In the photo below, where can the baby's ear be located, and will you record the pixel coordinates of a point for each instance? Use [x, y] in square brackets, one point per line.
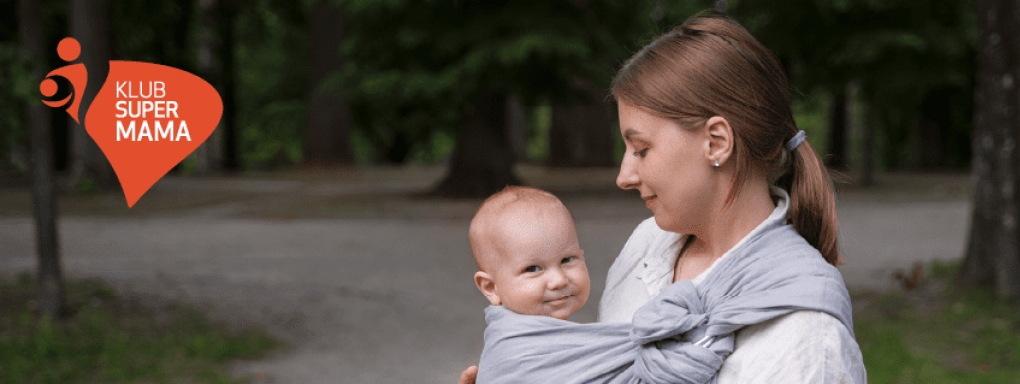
[485, 284]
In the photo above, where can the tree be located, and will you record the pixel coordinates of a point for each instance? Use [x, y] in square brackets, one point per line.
[583, 117]
[209, 155]
[903, 55]
[836, 158]
[483, 159]
[90, 24]
[50, 296]
[581, 134]
[226, 16]
[993, 251]
[327, 138]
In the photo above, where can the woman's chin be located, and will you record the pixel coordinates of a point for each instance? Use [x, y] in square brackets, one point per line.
[666, 223]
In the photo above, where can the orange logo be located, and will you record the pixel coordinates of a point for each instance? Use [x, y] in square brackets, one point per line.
[146, 118]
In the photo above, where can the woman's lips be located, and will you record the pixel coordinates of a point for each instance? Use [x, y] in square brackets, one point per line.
[648, 201]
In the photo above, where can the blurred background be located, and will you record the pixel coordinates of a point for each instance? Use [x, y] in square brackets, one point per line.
[319, 236]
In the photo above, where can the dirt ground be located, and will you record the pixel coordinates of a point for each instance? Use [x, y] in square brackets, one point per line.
[369, 281]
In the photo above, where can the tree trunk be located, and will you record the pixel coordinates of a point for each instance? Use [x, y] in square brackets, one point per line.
[50, 295]
[327, 138]
[90, 25]
[517, 124]
[482, 162]
[868, 147]
[993, 252]
[582, 135]
[836, 158]
[227, 12]
[932, 129]
[208, 156]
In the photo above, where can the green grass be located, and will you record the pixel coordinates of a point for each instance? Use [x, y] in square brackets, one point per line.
[939, 334]
[110, 339]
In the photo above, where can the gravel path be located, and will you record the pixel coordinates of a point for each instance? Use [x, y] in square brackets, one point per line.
[368, 284]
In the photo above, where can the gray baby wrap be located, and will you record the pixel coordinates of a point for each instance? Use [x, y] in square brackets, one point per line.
[680, 336]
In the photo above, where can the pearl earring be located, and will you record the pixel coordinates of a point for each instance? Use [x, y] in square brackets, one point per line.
[716, 164]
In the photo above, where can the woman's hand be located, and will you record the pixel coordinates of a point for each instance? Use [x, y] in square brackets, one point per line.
[469, 375]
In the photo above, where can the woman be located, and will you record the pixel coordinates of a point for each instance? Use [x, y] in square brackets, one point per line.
[712, 148]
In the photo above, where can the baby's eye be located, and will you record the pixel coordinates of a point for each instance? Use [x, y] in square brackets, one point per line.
[532, 269]
[568, 259]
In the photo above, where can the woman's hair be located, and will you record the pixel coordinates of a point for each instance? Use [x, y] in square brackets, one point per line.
[711, 66]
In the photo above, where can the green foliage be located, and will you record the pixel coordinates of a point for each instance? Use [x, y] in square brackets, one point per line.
[914, 61]
[541, 121]
[415, 66]
[109, 340]
[272, 83]
[811, 114]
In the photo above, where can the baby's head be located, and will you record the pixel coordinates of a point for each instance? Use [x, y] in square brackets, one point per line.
[528, 257]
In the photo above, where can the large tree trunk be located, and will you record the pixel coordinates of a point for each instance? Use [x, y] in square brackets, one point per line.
[90, 25]
[836, 158]
[327, 137]
[209, 155]
[227, 14]
[50, 297]
[582, 135]
[993, 252]
[482, 161]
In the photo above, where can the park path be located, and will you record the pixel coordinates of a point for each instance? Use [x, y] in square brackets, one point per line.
[369, 283]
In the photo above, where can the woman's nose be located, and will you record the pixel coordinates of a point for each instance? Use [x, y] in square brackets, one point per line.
[627, 179]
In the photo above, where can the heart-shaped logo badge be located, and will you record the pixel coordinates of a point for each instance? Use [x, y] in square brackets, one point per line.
[146, 118]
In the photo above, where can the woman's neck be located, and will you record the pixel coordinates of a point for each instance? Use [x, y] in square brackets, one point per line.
[723, 230]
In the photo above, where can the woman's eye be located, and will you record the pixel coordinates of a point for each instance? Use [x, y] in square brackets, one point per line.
[533, 268]
[641, 153]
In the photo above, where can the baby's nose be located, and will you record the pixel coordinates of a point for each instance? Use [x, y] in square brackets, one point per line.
[557, 279]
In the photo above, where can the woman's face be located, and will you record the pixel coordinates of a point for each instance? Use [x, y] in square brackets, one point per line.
[669, 165]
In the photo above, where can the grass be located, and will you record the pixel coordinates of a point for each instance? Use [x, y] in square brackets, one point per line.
[938, 334]
[112, 339]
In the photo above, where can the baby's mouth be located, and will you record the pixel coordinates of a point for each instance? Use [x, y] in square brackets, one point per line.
[559, 300]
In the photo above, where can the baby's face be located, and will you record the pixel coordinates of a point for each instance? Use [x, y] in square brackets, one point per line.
[541, 270]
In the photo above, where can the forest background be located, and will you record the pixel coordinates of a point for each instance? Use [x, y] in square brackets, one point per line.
[878, 84]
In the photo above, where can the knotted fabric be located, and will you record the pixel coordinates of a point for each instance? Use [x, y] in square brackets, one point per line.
[684, 334]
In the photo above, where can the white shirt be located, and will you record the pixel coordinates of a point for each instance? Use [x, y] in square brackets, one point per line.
[801, 347]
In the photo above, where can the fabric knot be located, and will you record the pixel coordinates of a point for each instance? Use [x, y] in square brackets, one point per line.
[676, 311]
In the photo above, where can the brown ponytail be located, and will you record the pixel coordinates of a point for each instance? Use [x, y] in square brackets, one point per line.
[812, 205]
[711, 66]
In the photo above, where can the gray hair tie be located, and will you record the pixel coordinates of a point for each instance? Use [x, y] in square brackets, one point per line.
[796, 140]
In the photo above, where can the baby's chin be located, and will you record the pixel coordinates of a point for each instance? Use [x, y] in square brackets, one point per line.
[561, 312]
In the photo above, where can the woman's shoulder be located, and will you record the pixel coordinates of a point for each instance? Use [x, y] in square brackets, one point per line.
[801, 347]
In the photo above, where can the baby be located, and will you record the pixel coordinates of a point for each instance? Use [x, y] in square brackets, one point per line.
[529, 261]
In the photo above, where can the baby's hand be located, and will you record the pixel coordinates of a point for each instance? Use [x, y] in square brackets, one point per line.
[469, 375]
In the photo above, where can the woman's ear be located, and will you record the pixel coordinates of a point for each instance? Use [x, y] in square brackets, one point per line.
[485, 284]
[720, 139]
